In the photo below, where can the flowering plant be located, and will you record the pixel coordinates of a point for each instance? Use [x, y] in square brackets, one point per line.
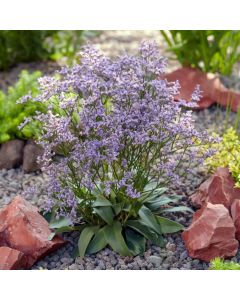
[122, 138]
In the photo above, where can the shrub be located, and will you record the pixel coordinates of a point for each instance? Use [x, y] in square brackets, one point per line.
[33, 45]
[227, 154]
[220, 264]
[13, 114]
[208, 50]
[123, 138]
[22, 46]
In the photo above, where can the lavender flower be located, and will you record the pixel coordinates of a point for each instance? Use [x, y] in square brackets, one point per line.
[117, 126]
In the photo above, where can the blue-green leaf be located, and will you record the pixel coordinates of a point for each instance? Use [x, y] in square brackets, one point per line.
[106, 213]
[113, 236]
[61, 222]
[147, 232]
[178, 209]
[85, 238]
[98, 242]
[135, 241]
[149, 219]
[168, 226]
[101, 202]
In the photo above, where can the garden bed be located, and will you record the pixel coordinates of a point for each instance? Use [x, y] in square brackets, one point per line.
[174, 255]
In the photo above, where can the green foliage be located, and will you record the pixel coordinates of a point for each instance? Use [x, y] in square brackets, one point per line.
[124, 228]
[220, 264]
[65, 44]
[227, 154]
[13, 114]
[22, 46]
[208, 50]
[33, 45]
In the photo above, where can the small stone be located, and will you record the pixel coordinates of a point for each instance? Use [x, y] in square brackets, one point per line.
[171, 247]
[155, 260]
[165, 266]
[30, 154]
[11, 154]
[183, 255]
[90, 267]
[101, 265]
[73, 267]
[123, 267]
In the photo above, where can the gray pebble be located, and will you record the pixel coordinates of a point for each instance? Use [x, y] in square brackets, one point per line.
[155, 260]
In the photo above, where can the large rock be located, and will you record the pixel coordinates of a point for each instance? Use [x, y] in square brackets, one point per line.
[24, 229]
[11, 154]
[235, 212]
[30, 154]
[11, 259]
[211, 234]
[213, 90]
[218, 189]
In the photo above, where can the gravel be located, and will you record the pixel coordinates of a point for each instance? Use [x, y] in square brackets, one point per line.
[174, 256]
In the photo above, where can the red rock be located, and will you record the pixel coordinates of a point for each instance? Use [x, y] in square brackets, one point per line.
[11, 259]
[11, 154]
[211, 234]
[30, 154]
[235, 212]
[213, 90]
[218, 189]
[24, 229]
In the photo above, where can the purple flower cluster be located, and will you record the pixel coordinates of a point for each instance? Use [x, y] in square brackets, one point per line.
[117, 128]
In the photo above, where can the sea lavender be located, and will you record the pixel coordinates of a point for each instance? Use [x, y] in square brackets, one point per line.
[118, 129]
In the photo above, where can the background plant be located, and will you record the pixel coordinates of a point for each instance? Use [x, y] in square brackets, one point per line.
[220, 264]
[22, 46]
[227, 154]
[208, 50]
[122, 138]
[37, 45]
[13, 114]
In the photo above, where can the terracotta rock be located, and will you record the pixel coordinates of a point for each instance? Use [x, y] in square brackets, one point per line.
[30, 154]
[235, 212]
[211, 234]
[11, 259]
[218, 189]
[11, 154]
[24, 229]
[213, 90]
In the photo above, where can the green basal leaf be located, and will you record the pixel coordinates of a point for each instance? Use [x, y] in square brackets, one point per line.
[117, 209]
[85, 238]
[113, 236]
[150, 186]
[168, 226]
[155, 203]
[106, 213]
[63, 229]
[98, 242]
[147, 232]
[149, 219]
[101, 202]
[178, 209]
[135, 241]
[61, 222]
